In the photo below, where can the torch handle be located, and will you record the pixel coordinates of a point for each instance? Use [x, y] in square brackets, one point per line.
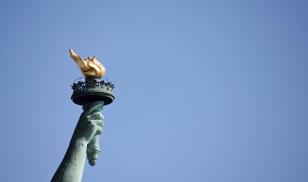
[93, 150]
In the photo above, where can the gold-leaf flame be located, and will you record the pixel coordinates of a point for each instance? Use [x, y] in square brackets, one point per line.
[90, 66]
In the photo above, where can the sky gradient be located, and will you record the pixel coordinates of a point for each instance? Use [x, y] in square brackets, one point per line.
[206, 91]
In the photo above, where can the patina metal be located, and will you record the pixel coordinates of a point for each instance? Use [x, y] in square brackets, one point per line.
[92, 89]
[92, 93]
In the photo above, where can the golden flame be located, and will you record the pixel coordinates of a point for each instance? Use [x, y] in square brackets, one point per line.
[90, 66]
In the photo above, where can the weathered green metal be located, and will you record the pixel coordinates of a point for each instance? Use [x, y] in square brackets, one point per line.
[92, 94]
[83, 144]
[92, 89]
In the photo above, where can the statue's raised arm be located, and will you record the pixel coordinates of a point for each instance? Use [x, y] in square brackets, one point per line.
[92, 94]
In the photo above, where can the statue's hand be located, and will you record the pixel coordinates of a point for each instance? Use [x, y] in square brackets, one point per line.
[89, 127]
[90, 122]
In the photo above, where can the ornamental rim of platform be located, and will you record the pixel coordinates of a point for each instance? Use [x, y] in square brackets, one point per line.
[87, 89]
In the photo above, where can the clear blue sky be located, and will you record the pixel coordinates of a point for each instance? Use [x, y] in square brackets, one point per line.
[207, 91]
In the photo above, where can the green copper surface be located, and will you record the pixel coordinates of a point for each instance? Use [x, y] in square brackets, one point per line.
[84, 143]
